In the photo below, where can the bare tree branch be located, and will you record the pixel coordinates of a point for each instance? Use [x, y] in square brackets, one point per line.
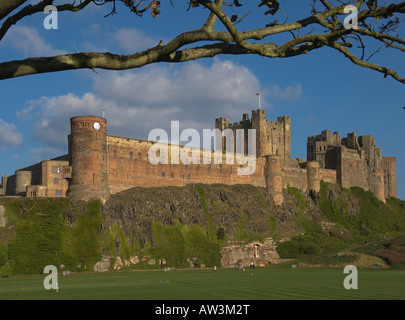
[365, 64]
[327, 30]
[39, 7]
[8, 6]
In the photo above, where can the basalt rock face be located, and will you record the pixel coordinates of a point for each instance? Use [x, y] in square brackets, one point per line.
[232, 208]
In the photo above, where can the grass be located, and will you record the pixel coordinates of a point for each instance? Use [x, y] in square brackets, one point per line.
[224, 284]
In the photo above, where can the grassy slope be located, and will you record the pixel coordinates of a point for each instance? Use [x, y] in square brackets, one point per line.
[354, 217]
[41, 236]
[46, 231]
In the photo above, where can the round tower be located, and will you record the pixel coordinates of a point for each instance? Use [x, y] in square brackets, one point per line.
[313, 176]
[274, 181]
[88, 157]
[22, 180]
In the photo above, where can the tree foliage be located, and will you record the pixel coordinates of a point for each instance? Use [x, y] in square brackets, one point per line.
[323, 27]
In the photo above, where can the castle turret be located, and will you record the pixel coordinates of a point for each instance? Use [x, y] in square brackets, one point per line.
[390, 176]
[221, 124]
[284, 143]
[378, 184]
[88, 157]
[3, 185]
[23, 179]
[274, 181]
[313, 175]
[259, 124]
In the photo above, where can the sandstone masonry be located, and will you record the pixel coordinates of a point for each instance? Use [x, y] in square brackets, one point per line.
[98, 164]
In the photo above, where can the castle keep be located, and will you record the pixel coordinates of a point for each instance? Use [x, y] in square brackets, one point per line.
[98, 164]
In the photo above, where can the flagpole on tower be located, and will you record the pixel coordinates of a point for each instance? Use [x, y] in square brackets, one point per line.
[258, 94]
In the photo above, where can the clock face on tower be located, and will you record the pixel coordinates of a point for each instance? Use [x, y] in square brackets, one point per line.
[96, 125]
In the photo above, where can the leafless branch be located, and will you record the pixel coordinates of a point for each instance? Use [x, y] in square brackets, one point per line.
[323, 28]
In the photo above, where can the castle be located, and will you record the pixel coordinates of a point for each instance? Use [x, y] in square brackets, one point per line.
[98, 164]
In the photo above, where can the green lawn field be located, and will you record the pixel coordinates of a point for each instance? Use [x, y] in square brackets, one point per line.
[224, 284]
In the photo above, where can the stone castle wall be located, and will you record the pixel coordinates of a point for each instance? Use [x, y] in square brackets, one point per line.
[272, 137]
[48, 178]
[390, 176]
[129, 166]
[88, 157]
[356, 160]
[98, 164]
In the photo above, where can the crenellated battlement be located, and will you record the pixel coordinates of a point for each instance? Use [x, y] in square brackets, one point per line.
[272, 137]
[357, 161]
[98, 164]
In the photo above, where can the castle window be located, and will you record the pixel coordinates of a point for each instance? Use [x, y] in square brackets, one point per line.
[81, 124]
[131, 155]
[274, 161]
[189, 176]
[58, 193]
[172, 174]
[55, 170]
[163, 174]
[115, 153]
[86, 124]
[55, 181]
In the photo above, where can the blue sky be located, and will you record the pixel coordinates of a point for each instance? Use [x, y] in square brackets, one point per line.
[321, 90]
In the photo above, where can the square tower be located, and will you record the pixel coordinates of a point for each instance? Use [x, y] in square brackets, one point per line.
[272, 138]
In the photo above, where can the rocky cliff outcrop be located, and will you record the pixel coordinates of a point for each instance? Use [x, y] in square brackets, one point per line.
[236, 209]
[188, 226]
[239, 212]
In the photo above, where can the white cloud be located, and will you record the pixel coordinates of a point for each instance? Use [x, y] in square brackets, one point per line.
[28, 41]
[133, 40]
[9, 136]
[138, 101]
[223, 87]
[53, 114]
[104, 37]
[290, 93]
